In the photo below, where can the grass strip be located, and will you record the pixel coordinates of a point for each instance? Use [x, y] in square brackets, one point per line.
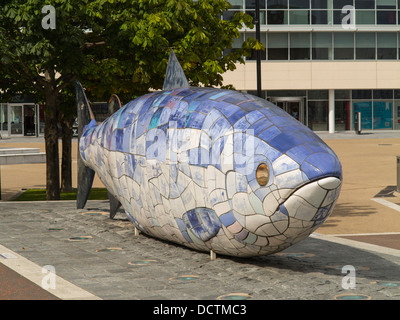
[40, 195]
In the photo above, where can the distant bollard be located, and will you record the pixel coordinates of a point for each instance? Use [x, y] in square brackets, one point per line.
[398, 172]
[357, 122]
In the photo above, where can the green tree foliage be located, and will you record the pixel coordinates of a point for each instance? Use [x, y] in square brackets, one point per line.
[111, 46]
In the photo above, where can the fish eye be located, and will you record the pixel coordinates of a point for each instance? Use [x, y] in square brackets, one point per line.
[262, 174]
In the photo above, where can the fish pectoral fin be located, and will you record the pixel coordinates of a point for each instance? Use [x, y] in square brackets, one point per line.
[85, 182]
[114, 205]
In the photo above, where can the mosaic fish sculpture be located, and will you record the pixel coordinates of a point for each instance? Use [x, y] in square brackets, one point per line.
[210, 169]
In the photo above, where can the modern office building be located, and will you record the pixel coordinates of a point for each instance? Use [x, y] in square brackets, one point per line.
[325, 60]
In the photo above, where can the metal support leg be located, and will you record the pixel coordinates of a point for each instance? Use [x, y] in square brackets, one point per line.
[213, 255]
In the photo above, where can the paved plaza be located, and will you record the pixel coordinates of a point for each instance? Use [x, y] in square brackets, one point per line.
[354, 255]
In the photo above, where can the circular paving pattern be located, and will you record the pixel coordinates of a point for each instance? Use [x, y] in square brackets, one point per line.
[352, 296]
[80, 238]
[235, 296]
[184, 278]
[142, 262]
[108, 249]
[386, 284]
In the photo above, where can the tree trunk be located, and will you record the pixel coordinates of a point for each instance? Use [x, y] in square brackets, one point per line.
[66, 164]
[51, 142]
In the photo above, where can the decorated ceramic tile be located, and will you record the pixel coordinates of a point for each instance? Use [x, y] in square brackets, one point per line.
[211, 169]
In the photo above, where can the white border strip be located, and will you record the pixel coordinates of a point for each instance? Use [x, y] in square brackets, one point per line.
[357, 244]
[387, 203]
[64, 289]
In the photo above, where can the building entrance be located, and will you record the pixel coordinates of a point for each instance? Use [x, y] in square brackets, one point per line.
[20, 119]
[292, 105]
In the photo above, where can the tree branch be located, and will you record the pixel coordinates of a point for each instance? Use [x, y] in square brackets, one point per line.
[93, 44]
[29, 74]
[66, 82]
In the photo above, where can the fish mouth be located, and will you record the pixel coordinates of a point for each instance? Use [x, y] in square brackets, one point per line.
[313, 201]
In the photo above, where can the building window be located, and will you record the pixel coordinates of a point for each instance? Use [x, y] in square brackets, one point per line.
[300, 46]
[342, 110]
[319, 4]
[237, 44]
[318, 95]
[322, 46]
[365, 17]
[386, 17]
[251, 4]
[278, 46]
[250, 10]
[277, 4]
[318, 115]
[386, 11]
[319, 17]
[317, 109]
[254, 52]
[382, 94]
[236, 4]
[383, 114]
[277, 17]
[344, 45]
[299, 16]
[365, 107]
[339, 4]
[365, 4]
[376, 107]
[386, 45]
[365, 45]
[299, 4]
[361, 94]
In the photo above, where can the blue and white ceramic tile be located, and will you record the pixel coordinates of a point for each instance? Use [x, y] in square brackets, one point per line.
[183, 163]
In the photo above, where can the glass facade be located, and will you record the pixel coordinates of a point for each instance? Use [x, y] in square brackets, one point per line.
[378, 40]
[320, 12]
[327, 45]
[380, 109]
[330, 30]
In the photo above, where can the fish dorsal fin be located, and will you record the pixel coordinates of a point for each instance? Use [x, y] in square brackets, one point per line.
[174, 77]
[114, 104]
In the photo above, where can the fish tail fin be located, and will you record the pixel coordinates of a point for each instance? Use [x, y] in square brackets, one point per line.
[85, 174]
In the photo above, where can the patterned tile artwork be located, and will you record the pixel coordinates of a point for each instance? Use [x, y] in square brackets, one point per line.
[185, 165]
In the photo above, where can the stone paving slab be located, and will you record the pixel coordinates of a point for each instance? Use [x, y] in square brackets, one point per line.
[103, 257]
